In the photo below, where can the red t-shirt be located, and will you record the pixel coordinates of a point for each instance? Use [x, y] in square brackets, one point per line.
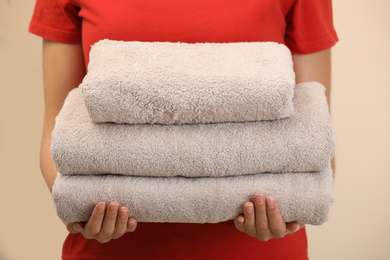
[305, 26]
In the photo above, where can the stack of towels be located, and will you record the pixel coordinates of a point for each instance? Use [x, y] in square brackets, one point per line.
[188, 133]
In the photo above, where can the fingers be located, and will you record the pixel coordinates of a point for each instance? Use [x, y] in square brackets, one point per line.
[263, 220]
[249, 215]
[93, 226]
[121, 223]
[106, 223]
[109, 221]
[276, 224]
[131, 224]
[261, 213]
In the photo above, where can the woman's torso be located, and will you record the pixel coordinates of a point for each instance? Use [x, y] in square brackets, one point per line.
[185, 21]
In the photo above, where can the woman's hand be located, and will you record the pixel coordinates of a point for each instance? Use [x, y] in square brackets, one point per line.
[105, 225]
[263, 220]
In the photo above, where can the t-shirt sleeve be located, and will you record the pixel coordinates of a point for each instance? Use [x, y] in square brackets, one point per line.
[309, 26]
[56, 20]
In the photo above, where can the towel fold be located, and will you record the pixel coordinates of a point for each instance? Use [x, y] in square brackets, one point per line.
[303, 197]
[303, 142]
[181, 83]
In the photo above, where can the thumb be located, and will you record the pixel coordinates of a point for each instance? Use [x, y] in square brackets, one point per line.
[75, 227]
[293, 226]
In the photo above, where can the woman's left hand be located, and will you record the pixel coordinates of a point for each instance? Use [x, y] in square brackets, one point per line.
[263, 220]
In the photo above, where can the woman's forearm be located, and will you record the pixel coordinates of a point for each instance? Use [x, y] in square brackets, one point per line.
[315, 67]
[63, 70]
[46, 163]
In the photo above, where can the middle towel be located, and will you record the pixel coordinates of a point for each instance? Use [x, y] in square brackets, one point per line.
[303, 142]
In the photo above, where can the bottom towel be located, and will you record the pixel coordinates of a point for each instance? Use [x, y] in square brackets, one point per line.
[303, 197]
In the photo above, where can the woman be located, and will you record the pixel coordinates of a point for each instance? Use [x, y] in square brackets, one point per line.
[70, 27]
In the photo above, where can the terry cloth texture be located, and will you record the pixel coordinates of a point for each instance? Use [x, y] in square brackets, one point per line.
[303, 197]
[187, 83]
[303, 142]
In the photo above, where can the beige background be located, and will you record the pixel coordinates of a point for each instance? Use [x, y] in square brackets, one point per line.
[359, 225]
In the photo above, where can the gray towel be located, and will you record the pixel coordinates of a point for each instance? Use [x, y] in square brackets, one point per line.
[178, 83]
[303, 142]
[303, 197]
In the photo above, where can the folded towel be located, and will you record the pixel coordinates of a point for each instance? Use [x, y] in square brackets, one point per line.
[303, 142]
[178, 83]
[303, 197]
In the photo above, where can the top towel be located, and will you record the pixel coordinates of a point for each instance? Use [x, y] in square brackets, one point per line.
[182, 83]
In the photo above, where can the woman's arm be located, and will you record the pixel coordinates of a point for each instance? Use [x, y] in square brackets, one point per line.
[263, 220]
[63, 70]
[315, 67]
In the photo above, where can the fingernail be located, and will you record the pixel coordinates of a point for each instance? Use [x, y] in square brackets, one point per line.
[114, 207]
[259, 199]
[132, 221]
[241, 219]
[77, 228]
[100, 207]
[248, 208]
[270, 203]
[123, 213]
[297, 228]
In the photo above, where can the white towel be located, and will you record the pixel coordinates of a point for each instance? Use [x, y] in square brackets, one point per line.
[303, 142]
[303, 197]
[179, 83]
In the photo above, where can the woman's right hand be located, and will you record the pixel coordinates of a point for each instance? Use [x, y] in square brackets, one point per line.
[105, 224]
